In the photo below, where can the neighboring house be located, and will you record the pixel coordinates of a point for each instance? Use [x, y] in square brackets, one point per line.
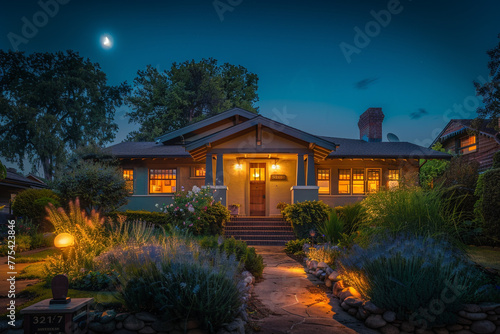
[460, 137]
[13, 184]
[256, 162]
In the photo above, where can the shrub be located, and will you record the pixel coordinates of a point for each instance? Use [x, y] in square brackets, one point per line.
[433, 169]
[332, 228]
[410, 211]
[197, 212]
[177, 280]
[157, 218]
[296, 247]
[306, 216]
[488, 207]
[282, 206]
[97, 185]
[411, 273]
[496, 160]
[31, 203]
[323, 253]
[352, 215]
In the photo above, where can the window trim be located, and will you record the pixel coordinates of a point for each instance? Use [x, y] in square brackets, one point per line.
[329, 181]
[127, 181]
[380, 184]
[350, 182]
[149, 180]
[193, 172]
[460, 147]
[389, 177]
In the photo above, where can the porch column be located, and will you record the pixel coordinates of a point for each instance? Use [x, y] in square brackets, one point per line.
[301, 179]
[219, 171]
[209, 175]
[311, 173]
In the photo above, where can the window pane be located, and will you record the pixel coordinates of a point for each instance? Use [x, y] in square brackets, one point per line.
[358, 181]
[344, 181]
[128, 176]
[199, 171]
[257, 174]
[324, 181]
[393, 178]
[467, 144]
[373, 176]
[162, 181]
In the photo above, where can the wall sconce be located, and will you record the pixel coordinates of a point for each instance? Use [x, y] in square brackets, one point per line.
[238, 165]
[275, 166]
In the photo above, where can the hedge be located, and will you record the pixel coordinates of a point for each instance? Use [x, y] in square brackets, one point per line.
[157, 218]
[306, 216]
[489, 205]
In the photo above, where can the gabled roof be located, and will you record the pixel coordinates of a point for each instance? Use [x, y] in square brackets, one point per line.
[147, 150]
[16, 180]
[206, 122]
[467, 125]
[357, 148]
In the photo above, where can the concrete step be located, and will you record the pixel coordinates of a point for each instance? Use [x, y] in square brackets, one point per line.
[259, 232]
[264, 237]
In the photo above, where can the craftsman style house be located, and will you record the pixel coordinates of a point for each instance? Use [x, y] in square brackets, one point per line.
[253, 161]
[479, 144]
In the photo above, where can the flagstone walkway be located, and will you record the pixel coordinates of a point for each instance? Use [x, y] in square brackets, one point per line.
[296, 303]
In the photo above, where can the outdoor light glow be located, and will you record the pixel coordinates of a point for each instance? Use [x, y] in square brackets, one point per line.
[238, 166]
[64, 240]
[275, 166]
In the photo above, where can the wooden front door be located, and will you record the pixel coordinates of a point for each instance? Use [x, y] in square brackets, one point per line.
[257, 189]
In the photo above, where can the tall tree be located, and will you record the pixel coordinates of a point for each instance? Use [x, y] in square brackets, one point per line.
[51, 103]
[186, 93]
[490, 91]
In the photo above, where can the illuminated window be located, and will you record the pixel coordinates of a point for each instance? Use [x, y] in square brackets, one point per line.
[393, 178]
[467, 145]
[128, 176]
[324, 181]
[258, 172]
[358, 181]
[373, 180]
[162, 181]
[199, 172]
[344, 181]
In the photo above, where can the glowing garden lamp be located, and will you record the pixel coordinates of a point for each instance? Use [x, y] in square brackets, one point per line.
[64, 240]
[312, 233]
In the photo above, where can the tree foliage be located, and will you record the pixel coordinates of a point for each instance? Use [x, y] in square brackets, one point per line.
[490, 91]
[3, 171]
[433, 169]
[186, 93]
[53, 102]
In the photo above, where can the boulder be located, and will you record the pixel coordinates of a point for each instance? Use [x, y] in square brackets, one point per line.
[133, 324]
[389, 329]
[389, 316]
[348, 292]
[334, 276]
[407, 327]
[147, 330]
[162, 326]
[485, 307]
[344, 306]
[312, 265]
[328, 283]
[483, 327]
[472, 316]
[473, 308]
[108, 327]
[193, 323]
[353, 311]
[454, 327]
[463, 331]
[107, 316]
[353, 302]
[441, 330]
[322, 265]
[463, 321]
[328, 271]
[375, 321]
[337, 288]
[121, 316]
[372, 308]
[362, 313]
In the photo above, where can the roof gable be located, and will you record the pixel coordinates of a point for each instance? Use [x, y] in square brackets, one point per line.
[207, 124]
[457, 127]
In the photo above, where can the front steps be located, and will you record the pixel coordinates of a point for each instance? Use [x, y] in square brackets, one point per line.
[260, 231]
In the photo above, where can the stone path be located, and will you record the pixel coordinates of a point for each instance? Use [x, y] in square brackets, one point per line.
[296, 302]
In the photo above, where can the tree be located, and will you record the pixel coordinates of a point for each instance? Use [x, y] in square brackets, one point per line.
[93, 176]
[51, 103]
[490, 91]
[432, 169]
[3, 171]
[188, 92]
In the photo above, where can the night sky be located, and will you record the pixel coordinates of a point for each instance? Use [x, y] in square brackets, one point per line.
[418, 65]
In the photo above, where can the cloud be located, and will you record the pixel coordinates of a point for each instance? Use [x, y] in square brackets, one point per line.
[365, 83]
[418, 114]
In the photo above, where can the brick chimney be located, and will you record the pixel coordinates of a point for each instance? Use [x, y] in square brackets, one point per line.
[370, 125]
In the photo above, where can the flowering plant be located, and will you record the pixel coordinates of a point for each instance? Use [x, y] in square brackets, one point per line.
[196, 211]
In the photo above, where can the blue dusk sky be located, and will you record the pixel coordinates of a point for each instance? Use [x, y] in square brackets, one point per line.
[320, 63]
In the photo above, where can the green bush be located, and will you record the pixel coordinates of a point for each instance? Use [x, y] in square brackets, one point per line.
[332, 229]
[157, 218]
[496, 160]
[31, 203]
[296, 247]
[409, 274]
[352, 215]
[410, 211]
[488, 207]
[306, 216]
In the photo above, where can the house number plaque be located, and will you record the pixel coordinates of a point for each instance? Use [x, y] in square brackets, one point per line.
[278, 177]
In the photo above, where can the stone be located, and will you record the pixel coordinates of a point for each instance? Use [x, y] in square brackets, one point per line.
[363, 314]
[147, 330]
[123, 331]
[454, 327]
[483, 327]
[353, 302]
[344, 306]
[440, 330]
[121, 316]
[334, 276]
[492, 317]
[248, 280]
[464, 331]
[353, 311]
[236, 326]
[322, 265]
[328, 271]
[485, 307]
[463, 321]
[389, 329]
[328, 283]
[133, 324]
[312, 265]
[337, 288]
[372, 308]
[348, 292]
[107, 316]
[497, 310]
[375, 321]
[318, 272]
[192, 324]
[322, 276]
[472, 316]
[389, 316]
[108, 327]
[197, 331]
[407, 327]
[423, 331]
[119, 325]
[146, 316]
[162, 326]
[472, 308]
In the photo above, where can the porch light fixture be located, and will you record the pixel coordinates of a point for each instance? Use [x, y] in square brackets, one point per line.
[238, 165]
[275, 165]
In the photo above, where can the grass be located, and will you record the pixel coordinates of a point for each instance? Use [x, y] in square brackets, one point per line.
[37, 257]
[487, 257]
[32, 271]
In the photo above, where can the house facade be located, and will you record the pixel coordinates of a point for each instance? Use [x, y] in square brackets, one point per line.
[14, 183]
[479, 144]
[253, 161]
